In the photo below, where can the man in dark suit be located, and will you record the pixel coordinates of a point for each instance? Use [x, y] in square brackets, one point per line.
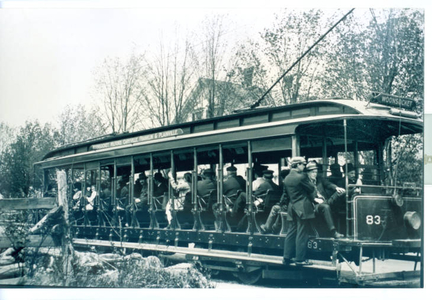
[273, 222]
[300, 211]
[233, 183]
[259, 193]
[207, 184]
[268, 184]
[160, 186]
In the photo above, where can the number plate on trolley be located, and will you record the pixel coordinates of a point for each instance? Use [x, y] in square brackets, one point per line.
[377, 218]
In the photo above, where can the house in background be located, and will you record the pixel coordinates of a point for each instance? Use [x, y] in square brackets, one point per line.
[211, 98]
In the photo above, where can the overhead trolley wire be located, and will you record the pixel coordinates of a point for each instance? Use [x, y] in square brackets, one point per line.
[257, 103]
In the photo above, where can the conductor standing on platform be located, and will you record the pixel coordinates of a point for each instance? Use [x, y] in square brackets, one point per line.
[300, 212]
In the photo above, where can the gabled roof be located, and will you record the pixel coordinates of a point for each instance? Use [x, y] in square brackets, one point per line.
[234, 96]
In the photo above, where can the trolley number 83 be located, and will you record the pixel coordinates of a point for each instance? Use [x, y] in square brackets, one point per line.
[373, 220]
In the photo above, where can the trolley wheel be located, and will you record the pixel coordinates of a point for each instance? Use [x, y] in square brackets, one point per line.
[249, 277]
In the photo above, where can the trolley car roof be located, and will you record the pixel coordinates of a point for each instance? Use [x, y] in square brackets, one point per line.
[295, 114]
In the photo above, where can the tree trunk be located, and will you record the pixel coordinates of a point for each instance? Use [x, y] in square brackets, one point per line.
[12, 271]
[66, 242]
[48, 221]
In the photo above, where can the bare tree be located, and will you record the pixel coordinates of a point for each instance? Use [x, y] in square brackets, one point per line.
[214, 48]
[118, 86]
[76, 123]
[169, 80]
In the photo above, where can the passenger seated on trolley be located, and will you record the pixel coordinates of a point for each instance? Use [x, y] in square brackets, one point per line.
[336, 174]
[259, 193]
[141, 195]
[258, 175]
[51, 191]
[160, 189]
[322, 208]
[77, 195]
[274, 222]
[160, 186]
[182, 187]
[258, 196]
[338, 204]
[205, 186]
[90, 197]
[233, 183]
[105, 196]
[122, 192]
[352, 179]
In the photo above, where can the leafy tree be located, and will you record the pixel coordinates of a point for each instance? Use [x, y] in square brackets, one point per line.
[293, 32]
[32, 143]
[407, 159]
[7, 136]
[385, 56]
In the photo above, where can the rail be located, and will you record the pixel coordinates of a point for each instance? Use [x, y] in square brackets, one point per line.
[27, 203]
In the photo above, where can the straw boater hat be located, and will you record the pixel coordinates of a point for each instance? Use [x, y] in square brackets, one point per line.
[298, 160]
[311, 166]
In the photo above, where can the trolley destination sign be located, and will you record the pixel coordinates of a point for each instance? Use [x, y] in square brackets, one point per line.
[138, 139]
[393, 101]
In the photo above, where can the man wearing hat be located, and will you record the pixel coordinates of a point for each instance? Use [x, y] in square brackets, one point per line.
[258, 175]
[300, 211]
[233, 183]
[207, 184]
[259, 193]
[273, 222]
[143, 194]
[160, 185]
[352, 179]
[336, 174]
[122, 192]
[322, 208]
[268, 184]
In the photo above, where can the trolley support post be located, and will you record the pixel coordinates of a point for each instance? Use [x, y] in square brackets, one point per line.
[153, 221]
[198, 225]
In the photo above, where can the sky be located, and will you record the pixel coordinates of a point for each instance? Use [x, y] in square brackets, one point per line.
[48, 55]
[49, 49]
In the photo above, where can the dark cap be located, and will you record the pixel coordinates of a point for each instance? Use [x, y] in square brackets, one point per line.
[284, 173]
[350, 167]
[231, 169]
[208, 172]
[142, 176]
[260, 167]
[268, 173]
[335, 168]
[158, 176]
